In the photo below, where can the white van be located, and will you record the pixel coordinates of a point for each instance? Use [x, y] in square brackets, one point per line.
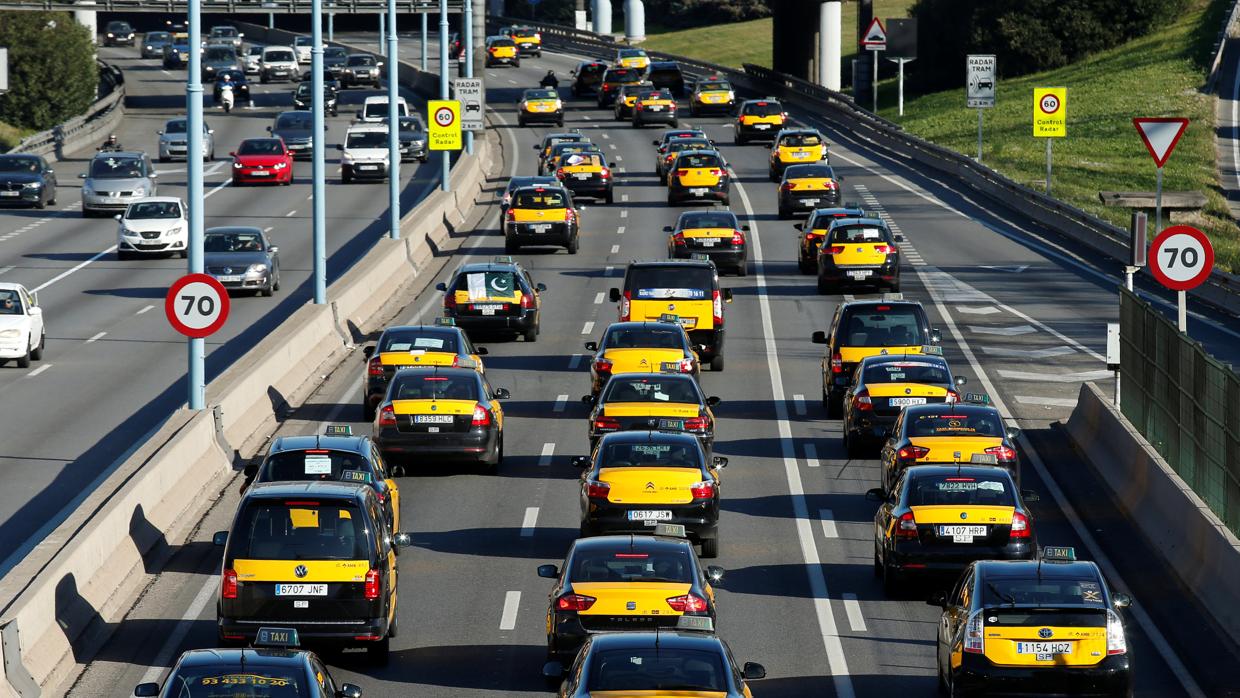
[278, 63]
[375, 109]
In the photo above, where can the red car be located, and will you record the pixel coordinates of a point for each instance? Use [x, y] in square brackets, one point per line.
[262, 160]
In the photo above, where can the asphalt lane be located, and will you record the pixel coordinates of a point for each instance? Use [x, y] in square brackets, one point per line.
[796, 533]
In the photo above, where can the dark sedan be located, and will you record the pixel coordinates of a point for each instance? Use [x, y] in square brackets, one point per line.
[176, 55]
[334, 58]
[242, 259]
[297, 130]
[413, 139]
[26, 180]
[303, 96]
[241, 86]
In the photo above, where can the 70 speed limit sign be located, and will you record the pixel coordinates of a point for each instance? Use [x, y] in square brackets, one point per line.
[1181, 258]
[196, 305]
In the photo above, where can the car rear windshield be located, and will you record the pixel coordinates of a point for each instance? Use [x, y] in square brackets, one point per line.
[707, 219]
[762, 109]
[567, 138]
[665, 75]
[654, 94]
[629, 389]
[714, 86]
[960, 490]
[306, 529]
[698, 160]
[1045, 591]
[435, 387]
[958, 423]
[502, 43]
[668, 455]
[591, 69]
[668, 565]
[857, 234]
[416, 341]
[279, 56]
[883, 326]
[687, 144]
[631, 53]
[657, 669]
[622, 75]
[316, 464]
[801, 140]
[294, 119]
[117, 168]
[808, 171]
[643, 337]
[517, 182]
[541, 94]
[906, 372]
[220, 682]
[233, 242]
[539, 199]
[668, 281]
[18, 164]
[153, 210]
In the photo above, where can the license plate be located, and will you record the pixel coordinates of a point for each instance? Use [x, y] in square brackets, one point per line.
[671, 424]
[432, 419]
[228, 279]
[762, 127]
[810, 202]
[279, 73]
[906, 401]
[540, 227]
[582, 175]
[699, 191]
[1049, 649]
[646, 515]
[301, 590]
[367, 167]
[260, 173]
[800, 156]
[861, 274]
[10, 193]
[655, 107]
[962, 534]
[707, 242]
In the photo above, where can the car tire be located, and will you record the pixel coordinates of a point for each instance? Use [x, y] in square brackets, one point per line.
[52, 201]
[275, 279]
[805, 266]
[823, 287]
[560, 122]
[521, 121]
[573, 245]
[37, 352]
[611, 197]
[773, 175]
[675, 123]
[346, 178]
[24, 361]
[183, 254]
[783, 214]
[368, 411]
[851, 448]
[531, 335]
[378, 653]
[511, 247]
[892, 583]
[835, 408]
[663, 179]
[586, 531]
[710, 547]
[878, 564]
[40, 203]
[742, 269]
[122, 256]
[716, 364]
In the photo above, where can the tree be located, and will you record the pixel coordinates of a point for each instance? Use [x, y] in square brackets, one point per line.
[52, 72]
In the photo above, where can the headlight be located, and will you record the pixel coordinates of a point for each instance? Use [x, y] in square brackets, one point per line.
[32, 185]
[110, 35]
[128, 233]
[237, 165]
[140, 191]
[87, 191]
[281, 165]
[10, 334]
[256, 269]
[346, 158]
[174, 231]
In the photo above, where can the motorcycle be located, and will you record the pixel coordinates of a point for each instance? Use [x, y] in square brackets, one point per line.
[226, 98]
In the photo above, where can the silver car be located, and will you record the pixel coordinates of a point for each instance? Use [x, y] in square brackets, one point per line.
[242, 259]
[114, 180]
[174, 141]
[224, 33]
[253, 60]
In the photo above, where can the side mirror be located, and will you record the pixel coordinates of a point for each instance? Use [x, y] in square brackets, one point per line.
[380, 64]
[548, 571]
[117, 217]
[349, 690]
[160, 132]
[592, 346]
[587, 399]
[719, 461]
[481, 351]
[654, 142]
[818, 337]
[798, 226]
[441, 286]
[936, 337]
[875, 495]
[581, 461]
[232, 153]
[339, 146]
[553, 670]
[613, 294]
[154, 175]
[960, 380]
[268, 129]
[540, 287]
[210, 131]
[745, 228]
[368, 350]
[402, 539]
[146, 689]
[1030, 496]
[274, 249]
[937, 598]
[727, 295]
[1013, 433]
[82, 176]
[712, 401]
[1121, 600]
[240, 36]
[220, 538]
[714, 573]
[51, 171]
[752, 671]
[667, 228]
[502, 394]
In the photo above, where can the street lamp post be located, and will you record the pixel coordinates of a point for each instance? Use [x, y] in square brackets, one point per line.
[196, 201]
[467, 40]
[446, 161]
[393, 67]
[318, 167]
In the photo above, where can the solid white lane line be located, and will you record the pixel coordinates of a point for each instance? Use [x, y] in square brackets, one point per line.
[598, 298]
[544, 458]
[837, 663]
[96, 338]
[798, 403]
[1012, 331]
[588, 327]
[1046, 401]
[852, 609]
[205, 595]
[145, 310]
[560, 402]
[67, 272]
[1044, 353]
[1043, 377]
[508, 619]
[39, 370]
[811, 456]
[615, 249]
[528, 523]
[575, 361]
[828, 523]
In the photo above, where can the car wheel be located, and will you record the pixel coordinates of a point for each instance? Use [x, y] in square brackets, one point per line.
[892, 583]
[783, 214]
[121, 255]
[24, 361]
[823, 287]
[37, 352]
[878, 563]
[573, 245]
[183, 254]
[851, 447]
[742, 269]
[740, 140]
[275, 279]
[368, 411]
[585, 530]
[346, 178]
[663, 179]
[52, 201]
[511, 247]
[611, 197]
[710, 547]
[531, 335]
[805, 266]
[716, 364]
[378, 652]
[40, 203]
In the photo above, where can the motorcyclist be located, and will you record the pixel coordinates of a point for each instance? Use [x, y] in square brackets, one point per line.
[549, 80]
[111, 144]
[227, 91]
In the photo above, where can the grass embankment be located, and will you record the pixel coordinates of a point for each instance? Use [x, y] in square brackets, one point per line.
[11, 136]
[750, 42]
[1156, 75]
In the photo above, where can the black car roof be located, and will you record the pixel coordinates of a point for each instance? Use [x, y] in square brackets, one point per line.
[671, 639]
[631, 542]
[230, 659]
[952, 407]
[328, 489]
[353, 444]
[651, 436]
[876, 222]
[671, 263]
[1046, 569]
[919, 471]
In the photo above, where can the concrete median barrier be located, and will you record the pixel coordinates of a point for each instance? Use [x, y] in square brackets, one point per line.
[1194, 543]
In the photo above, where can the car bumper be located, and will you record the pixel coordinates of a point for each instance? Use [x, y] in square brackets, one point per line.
[707, 439]
[913, 557]
[14, 348]
[343, 632]
[808, 202]
[363, 171]
[701, 520]
[351, 79]
[413, 151]
[595, 186]
[523, 234]
[248, 176]
[510, 60]
[646, 116]
[1110, 677]
[885, 274]
[542, 117]
[501, 323]
[529, 49]
[160, 246]
[476, 445]
[871, 427]
[246, 282]
[22, 197]
[726, 258]
[111, 203]
[712, 192]
[721, 107]
[276, 76]
[568, 632]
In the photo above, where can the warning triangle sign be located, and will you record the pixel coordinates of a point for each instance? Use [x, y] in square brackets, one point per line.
[876, 35]
[1160, 136]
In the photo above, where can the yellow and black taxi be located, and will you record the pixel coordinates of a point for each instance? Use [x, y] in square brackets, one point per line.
[632, 58]
[613, 80]
[527, 39]
[626, 99]
[808, 187]
[637, 480]
[667, 401]
[272, 666]
[813, 231]
[515, 183]
[540, 106]
[541, 215]
[551, 139]
[641, 347]
[668, 152]
[717, 234]
[673, 134]
[655, 106]
[711, 94]
[796, 146]
[690, 657]
[886, 384]
[338, 456]
[495, 296]
[587, 77]
[937, 519]
[625, 582]
[450, 414]
[406, 346]
[686, 288]
[962, 432]
[699, 175]
[1050, 626]
[317, 557]
[559, 151]
[759, 120]
[502, 50]
[859, 253]
[586, 174]
[869, 328]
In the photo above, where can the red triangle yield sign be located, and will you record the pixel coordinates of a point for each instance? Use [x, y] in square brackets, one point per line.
[1160, 135]
[875, 34]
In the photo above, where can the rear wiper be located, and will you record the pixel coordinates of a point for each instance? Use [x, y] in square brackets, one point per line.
[1011, 601]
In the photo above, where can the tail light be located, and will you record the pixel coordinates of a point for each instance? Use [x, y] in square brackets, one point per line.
[717, 302]
[570, 215]
[538, 36]
[608, 423]
[702, 490]
[1116, 642]
[716, 172]
[375, 366]
[574, 602]
[832, 186]
[686, 365]
[559, 173]
[834, 249]
[682, 173]
[810, 236]
[1020, 525]
[952, 396]
[1003, 452]
[697, 424]
[228, 585]
[885, 249]
[626, 305]
[862, 401]
[510, 216]
[387, 416]
[372, 584]
[604, 173]
[597, 490]
[973, 639]
[738, 238]
[912, 452]
[602, 366]
[837, 363]
[527, 301]
[482, 416]
[689, 603]
[449, 301]
[678, 239]
[639, 106]
[788, 186]
[906, 527]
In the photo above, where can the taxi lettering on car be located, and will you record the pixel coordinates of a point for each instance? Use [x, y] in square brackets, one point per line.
[406, 346]
[796, 147]
[718, 234]
[759, 120]
[541, 215]
[949, 433]
[859, 252]
[670, 401]
[496, 296]
[699, 175]
[812, 232]
[886, 384]
[688, 289]
[711, 94]
[586, 174]
[540, 106]
[808, 187]
[641, 347]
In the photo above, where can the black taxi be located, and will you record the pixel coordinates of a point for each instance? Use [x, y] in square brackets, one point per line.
[641, 347]
[955, 432]
[687, 288]
[859, 252]
[495, 296]
[759, 120]
[699, 175]
[587, 77]
[717, 234]
[711, 94]
[886, 384]
[613, 80]
[542, 215]
[405, 346]
[813, 231]
[668, 401]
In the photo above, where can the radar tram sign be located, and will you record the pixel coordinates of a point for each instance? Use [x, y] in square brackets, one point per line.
[196, 305]
[1181, 258]
[980, 81]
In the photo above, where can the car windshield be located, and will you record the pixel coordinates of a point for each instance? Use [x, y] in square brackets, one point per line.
[539, 199]
[367, 139]
[220, 54]
[222, 682]
[256, 50]
[800, 140]
[698, 160]
[850, 234]
[906, 372]
[670, 565]
[654, 455]
[233, 242]
[281, 56]
[10, 302]
[294, 120]
[687, 144]
[358, 60]
[707, 219]
[418, 341]
[316, 464]
[657, 669]
[644, 336]
[435, 387]
[411, 123]
[666, 281]
[118, 27]
[176, 126]
[622, 75]
[630, 389]
[335, 52]
[303, 41]
[541, 94]
[19, 164]
[298, 530]
[158, 37]
[153, 210]
[261, 146]
[956, 423]
[380, 109]
[117, 168]
[223, 31]
[883, 326]
[762, 109]
[714, 86]
[960, 490]
[809, 171]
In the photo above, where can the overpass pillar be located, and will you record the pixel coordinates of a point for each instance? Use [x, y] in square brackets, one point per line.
[602, 16]
[579, 16]
[478, 54]
[634, 21]
[88, 19]
[792, 50]
[829, 49]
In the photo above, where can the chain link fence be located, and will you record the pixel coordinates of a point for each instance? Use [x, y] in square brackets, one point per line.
[1185, 402]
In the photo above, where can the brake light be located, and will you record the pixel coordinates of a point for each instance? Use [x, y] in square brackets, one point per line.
[574, 602]
[606, 423]
[682, 173]
[788, 186]
[372, 584]
[810, 235]
[686, 365]
[837, 363]
[678, 239]
[387, 416]
[973, 638]
[834, 249]
[1020, 525]
[625, 307]
[640, 106]
[884, 249]
[570, 215]
[952, 396]
[602, 366]
[831, 186]
[559, 173]
[482, 416]
[702, 490]
[738, 238]
[906, 527]
[597, 490]
[1116, 642]
[604, 173]
[862, 401]
[688, 603]
[375, 366]
[527, 301]
[449, 300]
[511, 216]
[228, 585]
[1003, 452]
[912, 452]
[717, 302]
[697, 424]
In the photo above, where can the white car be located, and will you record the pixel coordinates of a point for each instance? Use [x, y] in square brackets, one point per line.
[22, 335]
[278, 63]
[302, 46]
[253, 60]
[375, 109]
[154, 225]
[364, 153]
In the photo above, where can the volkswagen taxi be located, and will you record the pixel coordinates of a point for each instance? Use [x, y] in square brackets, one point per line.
[515, 183]
[625, 582]
[937, 519]
[1050, 626]
[759, 120]
[808, 187]
[443, 414]
[502, 50]
[541, 215]
[796, 147]
[668, 401]
[632, 58]
[886, 384]
[698, 175]
[586, 174]
[407, 346]
[496, 296]
[641, 347]
[540, 106]
[711, 94]
[859, 252]
[813, 231]
[654, 107]
[718, 234]
[687, 288]
[949, 433]
[559, 151]
[636, 480]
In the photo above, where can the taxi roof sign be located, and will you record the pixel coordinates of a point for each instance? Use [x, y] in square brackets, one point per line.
[892, 297]
[674, 530]
[445, 321]
[670, 317]
[504, 259]
[697, 623]
[1060, 553]
[338, 430]
[931, 350]
[276, 637]
[977, 398]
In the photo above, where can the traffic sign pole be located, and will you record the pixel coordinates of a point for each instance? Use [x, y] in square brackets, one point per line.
[874, 82]
[467, 40]
[1181, 258]
[196, 348]
[393, 125]
[1158, 201]
[445, 172]
[424, 41]
[1048, 166]
[979, 135]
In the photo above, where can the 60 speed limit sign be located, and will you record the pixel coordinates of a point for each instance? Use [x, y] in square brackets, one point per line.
[196, 305]
[1181, 258]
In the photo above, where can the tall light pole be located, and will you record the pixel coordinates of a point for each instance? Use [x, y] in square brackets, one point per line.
[318, 167]
[196, 201]
[424, 20]
[467, 41]
[446, 161]
[393, 67]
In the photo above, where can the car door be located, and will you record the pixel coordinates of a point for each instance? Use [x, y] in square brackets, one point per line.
[36, 316]
[951, 624]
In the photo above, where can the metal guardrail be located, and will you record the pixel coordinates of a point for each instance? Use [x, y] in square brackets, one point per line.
[234, 6]
[101, 117]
